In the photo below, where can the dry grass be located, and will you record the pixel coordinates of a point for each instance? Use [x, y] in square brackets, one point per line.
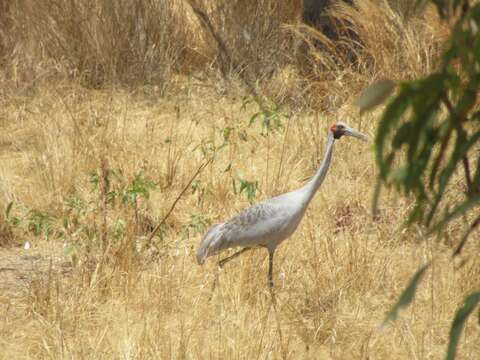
[128, 41]
[373, 42]
[336, 278]
[92, 287]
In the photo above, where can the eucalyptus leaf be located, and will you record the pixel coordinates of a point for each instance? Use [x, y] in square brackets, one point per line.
[458, 323]
[375, 95]
[407, 295]
[456, 212]
[391, 116]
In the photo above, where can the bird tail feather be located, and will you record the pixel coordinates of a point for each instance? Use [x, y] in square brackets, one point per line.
[207, 246]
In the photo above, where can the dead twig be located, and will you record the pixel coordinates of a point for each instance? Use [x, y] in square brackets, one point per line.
[227, 59]
[199, 170]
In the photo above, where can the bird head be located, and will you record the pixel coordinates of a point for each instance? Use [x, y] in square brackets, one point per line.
[339, 129]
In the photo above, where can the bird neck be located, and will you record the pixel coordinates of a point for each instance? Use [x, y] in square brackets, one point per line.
[312, 186]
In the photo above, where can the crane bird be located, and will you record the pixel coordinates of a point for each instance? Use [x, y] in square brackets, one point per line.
[270, 222]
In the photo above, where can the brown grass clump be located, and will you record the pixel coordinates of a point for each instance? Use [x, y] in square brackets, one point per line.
[127, 41]
[92, 162]
[251, 32]
[372, 41]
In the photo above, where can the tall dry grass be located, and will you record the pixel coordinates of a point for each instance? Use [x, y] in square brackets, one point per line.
[148, 41]
[372, 41]
[81, 147]
[101, 42]
[252, 34]
[260, 43]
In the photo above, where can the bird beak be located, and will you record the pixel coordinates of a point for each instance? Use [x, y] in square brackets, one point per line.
[356, 134]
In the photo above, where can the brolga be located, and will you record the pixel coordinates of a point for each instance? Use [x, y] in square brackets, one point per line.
[272, 221]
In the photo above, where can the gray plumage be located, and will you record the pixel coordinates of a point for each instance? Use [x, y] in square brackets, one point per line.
[270, 222]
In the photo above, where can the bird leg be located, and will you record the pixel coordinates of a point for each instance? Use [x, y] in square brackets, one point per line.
[270, 267]
[227, 259]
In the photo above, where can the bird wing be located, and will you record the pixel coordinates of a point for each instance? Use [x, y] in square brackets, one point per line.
[254, 226]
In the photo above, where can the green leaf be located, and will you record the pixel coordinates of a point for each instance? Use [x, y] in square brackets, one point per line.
[390, 117]
[459, 210]
[195, 186]
[440, 155]
[375, 95]
[417, 213]
[461, 148]
[402, 135]
[71, 252]
[9, 208]
[466, 102]
[111, 196]
[461, 316]
[254, 117]
[407, 295]
[94, 179]
[226, 132]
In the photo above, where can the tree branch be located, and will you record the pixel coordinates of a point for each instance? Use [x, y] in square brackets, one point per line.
[226, 55]
[472, 227]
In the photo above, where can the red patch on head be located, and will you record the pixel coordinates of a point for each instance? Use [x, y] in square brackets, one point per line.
[333, 128]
